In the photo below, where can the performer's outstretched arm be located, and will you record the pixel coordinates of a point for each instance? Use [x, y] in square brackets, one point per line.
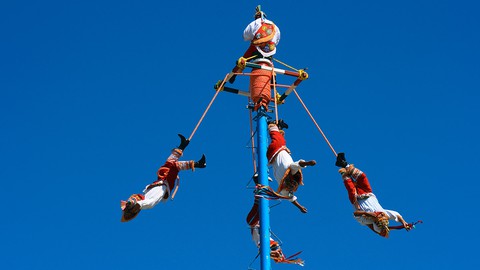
[299, 206]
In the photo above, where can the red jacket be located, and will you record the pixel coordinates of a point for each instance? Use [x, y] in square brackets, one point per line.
[168, 173]
[277, 144]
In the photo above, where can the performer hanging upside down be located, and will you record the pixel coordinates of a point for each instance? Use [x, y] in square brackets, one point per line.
[160, 190]
[276, 253]
[367, 209]
[287, 172]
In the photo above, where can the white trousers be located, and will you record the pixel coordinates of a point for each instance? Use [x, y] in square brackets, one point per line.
[280, 164]
[153, 196]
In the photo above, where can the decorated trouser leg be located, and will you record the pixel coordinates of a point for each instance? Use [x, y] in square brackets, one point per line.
[351, 190]
[276, 252]
[253, 220]
[185, 165]
[363, 185]
[360, 186]
[153, 196]
[175, 155]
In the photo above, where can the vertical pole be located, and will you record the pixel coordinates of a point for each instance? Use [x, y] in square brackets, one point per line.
[263, 180]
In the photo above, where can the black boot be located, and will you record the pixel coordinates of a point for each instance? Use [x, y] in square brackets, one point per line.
[202, 163]
[341, 161]
[255, 178]
[183, 142]
[282, 125]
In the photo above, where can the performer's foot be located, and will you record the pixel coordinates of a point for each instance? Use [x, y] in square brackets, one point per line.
[201, 163]
[282, 125]
[183, 142]
[341, 161]
[307, 163]
[255, 178]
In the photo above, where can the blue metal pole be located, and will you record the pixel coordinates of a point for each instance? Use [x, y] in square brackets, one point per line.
[263, 180]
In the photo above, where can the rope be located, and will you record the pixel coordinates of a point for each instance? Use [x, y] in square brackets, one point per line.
[252, 140]
[250, 58]
[284, 64]
[176, 188]
[242, 73]
[254, 259]
[275, 95]
[315, 122]
[276, 238]
[208, 107]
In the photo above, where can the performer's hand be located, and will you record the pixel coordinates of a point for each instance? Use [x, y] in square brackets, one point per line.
[300, 207]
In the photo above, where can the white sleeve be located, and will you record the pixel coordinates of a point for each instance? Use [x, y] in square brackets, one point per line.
[256, 236]
[285, 192]
[295, 166]
[249, 31]
[273, 128]
[252, 28]
[392, 215]
[276, 38]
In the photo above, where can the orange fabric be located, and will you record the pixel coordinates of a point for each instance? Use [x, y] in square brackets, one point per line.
[260, 86]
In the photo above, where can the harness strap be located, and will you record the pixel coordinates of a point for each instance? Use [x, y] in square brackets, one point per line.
[268, 193]
[177, 185]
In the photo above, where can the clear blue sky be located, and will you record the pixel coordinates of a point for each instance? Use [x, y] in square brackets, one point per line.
[93, 94]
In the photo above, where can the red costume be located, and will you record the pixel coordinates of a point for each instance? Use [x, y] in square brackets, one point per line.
[361, 187]
[277, 144]
[160, 190]
[168, 172]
